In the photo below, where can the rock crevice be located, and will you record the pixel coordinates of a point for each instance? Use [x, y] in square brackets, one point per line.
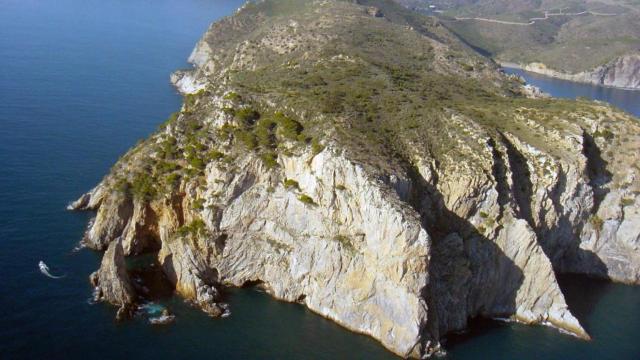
[402, 219]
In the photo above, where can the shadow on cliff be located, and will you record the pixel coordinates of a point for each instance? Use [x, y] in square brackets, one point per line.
[596, 169]
[470, 276]
[576, 259]
[561, 241]
[148, 278]
[582, 292]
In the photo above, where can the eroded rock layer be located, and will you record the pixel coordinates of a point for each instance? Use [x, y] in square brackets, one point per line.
[622, 72]
[367, 165]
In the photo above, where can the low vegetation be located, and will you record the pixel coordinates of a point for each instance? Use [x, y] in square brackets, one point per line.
[380, 92]
[306, 199]
[291, 184]
[570, 43]
[196, 227]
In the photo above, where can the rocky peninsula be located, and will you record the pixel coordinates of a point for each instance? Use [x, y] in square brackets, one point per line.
[357, 158]
[622, 73]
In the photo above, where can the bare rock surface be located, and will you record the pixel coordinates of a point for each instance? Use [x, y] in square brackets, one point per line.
[622, 72]
[112, 282]
[403, 231]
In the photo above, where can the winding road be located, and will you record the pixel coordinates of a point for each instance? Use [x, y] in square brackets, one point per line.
[532, 21]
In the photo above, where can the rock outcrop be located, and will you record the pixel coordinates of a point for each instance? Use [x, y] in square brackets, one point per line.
[400, 217]
[622, 72]
[112, 282]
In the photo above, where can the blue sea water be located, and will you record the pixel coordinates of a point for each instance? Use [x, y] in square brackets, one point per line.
[627, 100]
[80, 82]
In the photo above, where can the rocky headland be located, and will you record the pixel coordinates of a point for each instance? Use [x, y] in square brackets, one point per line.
[622, 72]
[356, 158]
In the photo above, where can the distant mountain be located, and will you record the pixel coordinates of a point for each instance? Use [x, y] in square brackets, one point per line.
[581, 40]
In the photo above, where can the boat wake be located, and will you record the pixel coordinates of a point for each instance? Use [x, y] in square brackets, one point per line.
[45, 270]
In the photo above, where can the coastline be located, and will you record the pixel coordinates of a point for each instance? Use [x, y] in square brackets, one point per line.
[580, 78]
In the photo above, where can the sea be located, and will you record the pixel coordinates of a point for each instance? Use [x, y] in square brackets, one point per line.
[81, 81]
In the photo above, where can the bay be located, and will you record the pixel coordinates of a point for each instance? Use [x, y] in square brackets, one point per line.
[627, 100]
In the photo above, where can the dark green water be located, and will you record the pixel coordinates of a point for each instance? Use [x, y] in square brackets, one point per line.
[80, 82]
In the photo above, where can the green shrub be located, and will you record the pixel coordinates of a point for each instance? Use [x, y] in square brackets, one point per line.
[232, 96]
[332, 103]
[247, 138]
[215, 155]
[596, 222]
[190, 99]
[168, 148]
[290, 183]
[345, 242]
[172, 180]
[171, 119]
[490, 222]
[316, 147]
[247, 116]
[484, 215]
[306, 199]
[198, 204]
[287, 127]
[269, 159]
[225, 131]
[192, 126]
[197, 163]
[142, 187]
[264, 132]
[122, 186]
[164, 167]
[627, 202]
[191, 173]
[196, 227]
[229, 111]
[340, 187]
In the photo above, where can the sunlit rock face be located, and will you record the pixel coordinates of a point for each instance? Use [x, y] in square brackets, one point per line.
[622, 72]
[400, 222]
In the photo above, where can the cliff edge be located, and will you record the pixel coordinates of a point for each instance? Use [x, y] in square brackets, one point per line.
[622, 72]
[356, 158]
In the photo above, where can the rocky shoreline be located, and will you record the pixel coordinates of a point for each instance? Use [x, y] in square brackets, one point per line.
[401, 232]
[622, 73]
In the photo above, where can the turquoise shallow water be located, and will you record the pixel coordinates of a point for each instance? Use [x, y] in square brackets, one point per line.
[80, 83]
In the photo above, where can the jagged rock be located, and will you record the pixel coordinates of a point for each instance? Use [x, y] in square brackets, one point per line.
[165, 318]
[112, 281]
[185, 83]
[404, 244]
[106, 227]
[622, 72]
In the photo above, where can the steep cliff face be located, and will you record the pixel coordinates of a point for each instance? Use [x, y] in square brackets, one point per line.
[622, 72]
[363, 164]
[112, 283]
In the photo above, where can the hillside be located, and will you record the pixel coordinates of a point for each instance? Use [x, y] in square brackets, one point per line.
[357, 158]
[585, 37]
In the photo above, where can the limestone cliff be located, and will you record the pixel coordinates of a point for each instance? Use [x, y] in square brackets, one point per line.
[112, 283]
[622, 72]
[367, 165]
